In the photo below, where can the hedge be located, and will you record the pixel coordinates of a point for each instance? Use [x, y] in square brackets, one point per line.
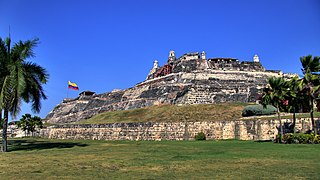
[299, 138]
[258, 110]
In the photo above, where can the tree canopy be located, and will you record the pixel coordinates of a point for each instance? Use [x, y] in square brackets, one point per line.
[20, 80]
[29, 124]
[296, 93]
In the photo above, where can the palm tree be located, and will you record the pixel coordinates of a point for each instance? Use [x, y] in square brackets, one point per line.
[19, 80]
[29, 124]
[311, 82]
[275, 94]
[294, 98]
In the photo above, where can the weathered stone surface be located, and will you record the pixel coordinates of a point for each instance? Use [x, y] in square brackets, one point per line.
[214, 130]
[191, 81]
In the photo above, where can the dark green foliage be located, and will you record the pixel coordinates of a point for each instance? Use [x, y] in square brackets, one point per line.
[29, 123]
[299, 138]
[20, 80]
[258, 110]
[276, 94]
[200, 136]
[311, 82]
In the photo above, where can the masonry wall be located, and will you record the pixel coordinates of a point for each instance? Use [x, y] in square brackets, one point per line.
[240, 129]
[198, 87]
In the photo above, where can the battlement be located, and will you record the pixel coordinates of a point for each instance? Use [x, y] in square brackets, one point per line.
[196, 61]
[189, 56]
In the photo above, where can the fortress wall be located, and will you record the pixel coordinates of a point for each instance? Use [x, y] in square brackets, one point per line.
[197, 87]
[223, 74]
[214, 130]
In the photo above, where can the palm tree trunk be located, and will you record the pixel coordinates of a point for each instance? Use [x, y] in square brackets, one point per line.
[314, 129]
[294, 120]
[1, 116]
[4, 147]
[279, 118]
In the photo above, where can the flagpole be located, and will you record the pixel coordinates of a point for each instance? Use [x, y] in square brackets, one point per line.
[67, 92]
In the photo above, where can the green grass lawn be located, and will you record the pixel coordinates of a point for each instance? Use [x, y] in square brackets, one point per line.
[66, 159]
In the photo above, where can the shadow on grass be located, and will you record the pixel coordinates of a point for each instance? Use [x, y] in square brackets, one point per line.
[263, 141]
[29, 145]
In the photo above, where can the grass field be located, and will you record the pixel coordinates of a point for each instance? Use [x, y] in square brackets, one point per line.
[66, 159]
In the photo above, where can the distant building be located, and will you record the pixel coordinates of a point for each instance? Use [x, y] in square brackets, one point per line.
[86, 93]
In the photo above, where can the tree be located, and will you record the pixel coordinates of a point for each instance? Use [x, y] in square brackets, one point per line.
[29, 123]
[294, 98]
[275, 94]
[19, 80]
[1, 122]
[311, 82]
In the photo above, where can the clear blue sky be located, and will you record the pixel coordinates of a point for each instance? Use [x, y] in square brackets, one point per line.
[107, 44]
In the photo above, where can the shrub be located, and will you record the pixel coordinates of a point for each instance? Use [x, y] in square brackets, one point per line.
[200, 136]
[316, 139]
[299, 138]
[258, 110]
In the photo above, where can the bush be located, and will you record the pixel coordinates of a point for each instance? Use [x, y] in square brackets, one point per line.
[200, 136]
[299, 138]
[258, 110]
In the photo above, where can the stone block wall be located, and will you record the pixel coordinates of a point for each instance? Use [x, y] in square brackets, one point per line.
[197, 87]
[214, 130]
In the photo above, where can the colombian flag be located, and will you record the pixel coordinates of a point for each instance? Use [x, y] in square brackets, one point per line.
[73, 86]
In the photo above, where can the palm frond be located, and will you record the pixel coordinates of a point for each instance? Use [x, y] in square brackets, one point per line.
[3, 52]
[36, 71]
[35, 76]
[277, 91]
[20, 80]
[17, 86]
[5, 93]
[23, 50]
[310, 64]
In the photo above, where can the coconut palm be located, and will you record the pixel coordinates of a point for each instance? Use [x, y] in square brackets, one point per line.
[275, 94]
[311, 82]
[19, 80]
[294, 98]
[29, 124]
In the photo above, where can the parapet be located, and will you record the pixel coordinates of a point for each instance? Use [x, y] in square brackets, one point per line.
[87, 93]
[196, 61]
[190, 56]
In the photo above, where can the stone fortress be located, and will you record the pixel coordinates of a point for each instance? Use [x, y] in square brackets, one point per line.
[190, 79]
[194, 61]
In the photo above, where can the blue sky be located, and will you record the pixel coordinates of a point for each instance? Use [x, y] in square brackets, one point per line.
[103, 45]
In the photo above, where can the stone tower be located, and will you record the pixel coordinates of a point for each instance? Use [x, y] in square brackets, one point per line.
[154, 69]
[256, 58]
[172, 56]
[203, 55]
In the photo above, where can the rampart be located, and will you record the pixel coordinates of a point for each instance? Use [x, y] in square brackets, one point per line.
[214, 130]
[204, 87]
